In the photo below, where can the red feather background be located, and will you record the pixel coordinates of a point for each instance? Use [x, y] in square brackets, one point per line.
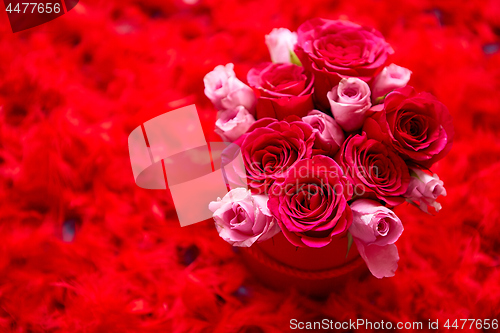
[83, 249]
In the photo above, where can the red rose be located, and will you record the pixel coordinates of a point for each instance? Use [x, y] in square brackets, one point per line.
[285, 89]
[310, 204]
[270, 147]
[374, 169]
[334, 49]
[418, 126]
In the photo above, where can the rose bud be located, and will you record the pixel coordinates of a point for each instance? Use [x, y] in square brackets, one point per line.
[329, 135]
[242, 218]
[232, 124]
[425, 189]
[418, 126]
[333, 49]
[310, 203]
[374, 169]
[227, 92]
[349, 101]
[285, 89]
[391, 77]
[375, 229]
[280, 43]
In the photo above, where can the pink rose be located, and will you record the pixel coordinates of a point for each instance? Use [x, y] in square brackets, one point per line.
[310, 203]
[271, 147]
[374, 169]
[242, 218]
[391, 77]
[285, 89]
[233, 124]
[349, 101]
[335, 49]
[280, 43]
[425, 189]
[227, 92]
[375, 229]
[329, 135]
[418, 126]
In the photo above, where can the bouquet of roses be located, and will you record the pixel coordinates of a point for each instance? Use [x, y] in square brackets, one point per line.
[332, 138]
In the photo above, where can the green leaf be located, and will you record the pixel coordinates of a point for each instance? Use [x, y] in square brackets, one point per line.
[413, 174]
[380, 99]
[349, 243]
[295, 60]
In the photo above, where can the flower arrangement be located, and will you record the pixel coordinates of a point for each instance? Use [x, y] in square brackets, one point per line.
[332, 139]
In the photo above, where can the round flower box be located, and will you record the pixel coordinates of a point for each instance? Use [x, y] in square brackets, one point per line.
[315, 271]
[318, 155]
